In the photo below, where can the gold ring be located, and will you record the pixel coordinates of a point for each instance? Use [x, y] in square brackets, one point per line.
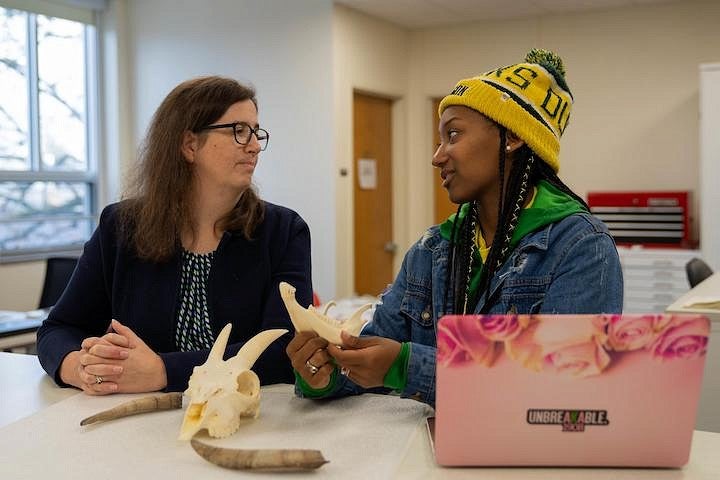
[98, 379]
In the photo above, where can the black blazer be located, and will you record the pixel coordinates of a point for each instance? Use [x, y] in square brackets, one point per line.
[111, 282]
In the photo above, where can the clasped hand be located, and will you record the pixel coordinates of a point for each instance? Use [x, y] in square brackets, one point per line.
[365, 360]
[117, 362]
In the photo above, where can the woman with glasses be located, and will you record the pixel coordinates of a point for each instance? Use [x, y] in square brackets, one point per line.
[521, 242]
[191, 249]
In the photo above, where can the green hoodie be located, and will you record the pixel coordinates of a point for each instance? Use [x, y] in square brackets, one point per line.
[549, 206]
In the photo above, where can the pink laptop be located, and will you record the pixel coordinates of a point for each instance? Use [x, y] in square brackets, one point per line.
[568, 390]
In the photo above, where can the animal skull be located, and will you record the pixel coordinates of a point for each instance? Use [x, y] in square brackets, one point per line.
[309, 319]
[221, 392]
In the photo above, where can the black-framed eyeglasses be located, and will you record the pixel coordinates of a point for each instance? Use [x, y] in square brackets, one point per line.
[243, 133]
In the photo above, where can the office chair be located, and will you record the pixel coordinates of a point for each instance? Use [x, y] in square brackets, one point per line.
[58, 271]
[697, 271]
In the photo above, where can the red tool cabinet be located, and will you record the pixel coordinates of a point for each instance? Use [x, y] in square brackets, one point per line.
[651, 219]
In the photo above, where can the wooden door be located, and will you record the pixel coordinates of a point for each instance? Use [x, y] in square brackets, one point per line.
[443, 206]
[372, 193]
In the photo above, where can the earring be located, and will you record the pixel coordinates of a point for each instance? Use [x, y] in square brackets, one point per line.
[507, 148]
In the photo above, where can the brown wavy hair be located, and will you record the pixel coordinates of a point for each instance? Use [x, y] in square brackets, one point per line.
[157, 209]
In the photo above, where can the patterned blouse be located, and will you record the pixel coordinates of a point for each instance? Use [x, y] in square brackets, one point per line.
[193, 330]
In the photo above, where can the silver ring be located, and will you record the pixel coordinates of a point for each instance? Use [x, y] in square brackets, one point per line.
[98, 379]
[313, 369]
[344, 371]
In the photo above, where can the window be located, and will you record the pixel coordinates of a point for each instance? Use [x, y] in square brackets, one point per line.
[48, 174]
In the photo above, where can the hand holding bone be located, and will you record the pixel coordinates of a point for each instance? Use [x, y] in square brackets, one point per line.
[311, 320]
[309, 357]
[366, 360]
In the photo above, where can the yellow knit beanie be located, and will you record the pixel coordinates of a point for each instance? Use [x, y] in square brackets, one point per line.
[531, 99]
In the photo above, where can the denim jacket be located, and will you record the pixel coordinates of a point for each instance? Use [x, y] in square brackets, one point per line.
[571, 266]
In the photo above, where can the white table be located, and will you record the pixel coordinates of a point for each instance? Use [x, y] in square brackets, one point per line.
[708, 288]
[25, 389]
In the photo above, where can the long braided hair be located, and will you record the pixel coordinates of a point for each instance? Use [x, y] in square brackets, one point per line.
[525, 173]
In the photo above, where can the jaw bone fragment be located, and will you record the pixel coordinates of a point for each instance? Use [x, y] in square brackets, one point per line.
[311, 320]
[263, 459]
[221, 392]
[163, 401]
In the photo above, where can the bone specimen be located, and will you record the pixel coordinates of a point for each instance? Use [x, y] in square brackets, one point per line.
[223, 391]
[309, 319]
[264, 459]
[163, 401]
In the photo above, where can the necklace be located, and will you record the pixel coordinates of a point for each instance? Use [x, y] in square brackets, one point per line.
[471, 238]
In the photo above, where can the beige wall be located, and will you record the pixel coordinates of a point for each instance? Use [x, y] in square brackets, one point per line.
[634, 75]
[369, 55]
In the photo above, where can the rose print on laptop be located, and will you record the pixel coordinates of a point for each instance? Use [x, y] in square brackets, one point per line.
[577, 345]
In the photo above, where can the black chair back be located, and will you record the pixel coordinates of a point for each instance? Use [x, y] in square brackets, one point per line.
[697, 271]
[58, 271]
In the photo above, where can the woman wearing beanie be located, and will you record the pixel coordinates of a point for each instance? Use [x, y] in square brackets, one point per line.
[521, 240]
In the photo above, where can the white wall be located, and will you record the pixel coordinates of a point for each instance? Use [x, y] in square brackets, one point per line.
[371, 56]
[285, 50]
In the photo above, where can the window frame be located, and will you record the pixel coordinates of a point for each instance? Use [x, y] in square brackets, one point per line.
[90, 176]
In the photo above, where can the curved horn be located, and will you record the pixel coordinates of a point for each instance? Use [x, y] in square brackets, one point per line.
[252, 349]
[163, 401]
[218, 348]
[273, 460]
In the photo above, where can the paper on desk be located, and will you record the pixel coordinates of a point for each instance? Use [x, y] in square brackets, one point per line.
[706, 303]
[362, 437]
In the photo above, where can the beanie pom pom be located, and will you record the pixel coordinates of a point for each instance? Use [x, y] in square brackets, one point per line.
[550, 60]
